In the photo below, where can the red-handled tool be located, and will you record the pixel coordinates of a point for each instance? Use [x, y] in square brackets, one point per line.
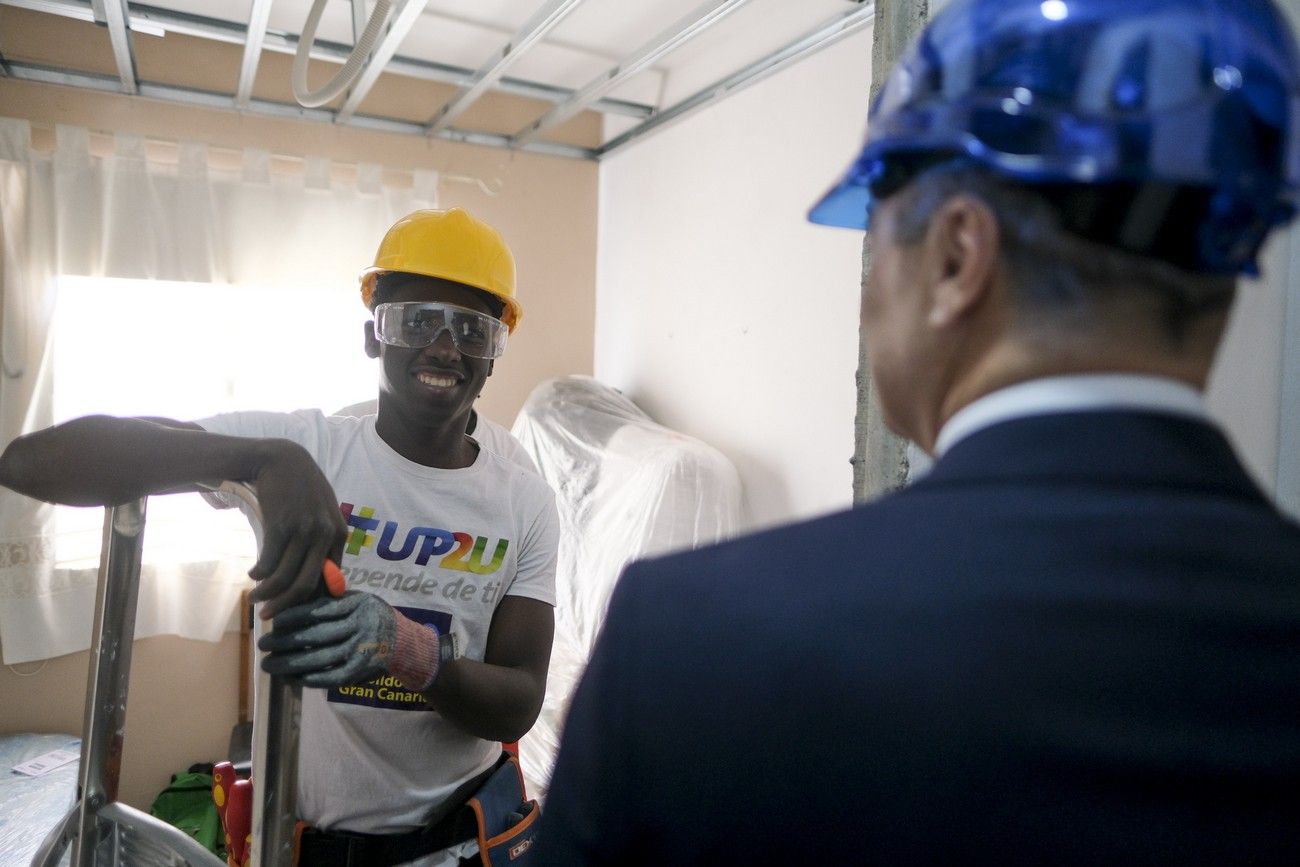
[239, 823]
[271, 816]
[223, 777]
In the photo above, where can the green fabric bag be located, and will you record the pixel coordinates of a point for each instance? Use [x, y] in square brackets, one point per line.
[187, 804]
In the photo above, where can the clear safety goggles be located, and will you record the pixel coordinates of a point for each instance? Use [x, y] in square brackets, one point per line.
[417, 324]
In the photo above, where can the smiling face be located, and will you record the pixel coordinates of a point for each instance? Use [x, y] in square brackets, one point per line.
[435, 385]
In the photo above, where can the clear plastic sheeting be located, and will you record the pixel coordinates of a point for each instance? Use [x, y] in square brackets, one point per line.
[626, 488]
[30, 807]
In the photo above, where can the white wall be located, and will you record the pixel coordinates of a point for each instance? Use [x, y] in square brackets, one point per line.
[1245, 387]
[1288, 450]
[719, 309]
[1255, 390]
[727, 316]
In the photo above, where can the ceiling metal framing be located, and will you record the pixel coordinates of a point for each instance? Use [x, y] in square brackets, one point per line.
[550, 14]
[674, 37]
[809, 43]
[157, 21]
[113, 14]
[258, 16]
[385, 51]
[121, 17]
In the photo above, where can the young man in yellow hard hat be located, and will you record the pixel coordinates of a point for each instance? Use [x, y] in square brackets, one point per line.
[477, 260]
[438, 652]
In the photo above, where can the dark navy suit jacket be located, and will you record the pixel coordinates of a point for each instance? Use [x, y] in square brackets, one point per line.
[1076, 641]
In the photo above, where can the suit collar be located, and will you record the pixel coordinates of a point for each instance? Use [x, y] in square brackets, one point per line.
[1073, 393]
[1120, 446]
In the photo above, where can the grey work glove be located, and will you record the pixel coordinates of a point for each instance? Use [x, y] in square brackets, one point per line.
[352, 639]
[332, 641]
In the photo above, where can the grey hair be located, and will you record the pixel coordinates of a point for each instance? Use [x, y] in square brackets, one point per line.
[1054, 272]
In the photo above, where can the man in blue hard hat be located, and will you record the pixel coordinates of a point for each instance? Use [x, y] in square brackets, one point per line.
[1077, 640]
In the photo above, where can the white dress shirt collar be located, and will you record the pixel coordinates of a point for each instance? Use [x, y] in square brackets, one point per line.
[1060, 394]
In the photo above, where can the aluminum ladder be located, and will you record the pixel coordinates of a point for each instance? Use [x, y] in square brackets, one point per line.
[103, 830]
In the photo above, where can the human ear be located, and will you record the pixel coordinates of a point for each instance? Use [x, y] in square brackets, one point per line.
[372, 342]
[965, 243]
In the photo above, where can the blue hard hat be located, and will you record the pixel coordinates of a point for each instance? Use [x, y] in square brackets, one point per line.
[1200, 95]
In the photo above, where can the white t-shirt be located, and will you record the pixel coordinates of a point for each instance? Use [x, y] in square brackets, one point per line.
[441, 546]
[487, 433]
[496, 438]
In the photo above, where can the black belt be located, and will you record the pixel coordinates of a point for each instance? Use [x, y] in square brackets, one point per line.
[319, 848]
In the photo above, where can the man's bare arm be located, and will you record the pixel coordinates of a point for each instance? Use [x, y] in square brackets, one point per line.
[105, 461]
[500, 697]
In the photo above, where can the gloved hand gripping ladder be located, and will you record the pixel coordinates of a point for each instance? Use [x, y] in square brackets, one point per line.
[103, 830]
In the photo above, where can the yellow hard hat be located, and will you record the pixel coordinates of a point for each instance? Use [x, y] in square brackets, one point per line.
[450, 245]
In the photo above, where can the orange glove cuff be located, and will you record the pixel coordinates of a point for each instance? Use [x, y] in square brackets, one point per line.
[415, 654]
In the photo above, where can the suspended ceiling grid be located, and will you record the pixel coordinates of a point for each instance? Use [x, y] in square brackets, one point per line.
[438, 62]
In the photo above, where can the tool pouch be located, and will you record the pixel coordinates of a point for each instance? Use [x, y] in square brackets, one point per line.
[507, 819]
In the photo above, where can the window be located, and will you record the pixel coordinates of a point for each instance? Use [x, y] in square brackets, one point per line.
[188, 350]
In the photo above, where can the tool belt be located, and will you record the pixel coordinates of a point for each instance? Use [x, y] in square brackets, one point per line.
[498, 814]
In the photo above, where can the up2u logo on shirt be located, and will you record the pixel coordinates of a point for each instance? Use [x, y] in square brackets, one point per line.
[459, 551]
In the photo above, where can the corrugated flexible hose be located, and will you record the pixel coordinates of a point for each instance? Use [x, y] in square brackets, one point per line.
[351, 67]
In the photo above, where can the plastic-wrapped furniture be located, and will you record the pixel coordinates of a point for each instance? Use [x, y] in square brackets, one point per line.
[100, 829]
[626, 488]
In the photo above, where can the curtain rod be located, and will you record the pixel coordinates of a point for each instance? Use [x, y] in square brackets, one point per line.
[491, 187]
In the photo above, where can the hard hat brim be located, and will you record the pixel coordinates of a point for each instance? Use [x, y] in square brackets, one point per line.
[845, 205]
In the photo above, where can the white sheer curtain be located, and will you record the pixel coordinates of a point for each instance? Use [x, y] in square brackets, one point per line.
[72, 213]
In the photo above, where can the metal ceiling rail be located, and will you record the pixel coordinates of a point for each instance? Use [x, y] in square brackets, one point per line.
[207, 99]
[258, 17]
[549, 15]
[145, 18]
[827, 33]
[401, 25]
[661, 45]
[115, 15]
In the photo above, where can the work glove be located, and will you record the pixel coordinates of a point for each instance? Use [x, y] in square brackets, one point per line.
[353, 638]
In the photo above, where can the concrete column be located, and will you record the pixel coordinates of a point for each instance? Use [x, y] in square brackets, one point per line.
[880, 461]
[1288, 454]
